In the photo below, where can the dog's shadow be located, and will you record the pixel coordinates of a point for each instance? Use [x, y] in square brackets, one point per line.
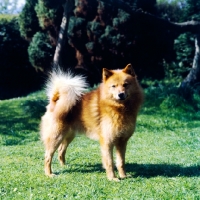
[142, 170]
[166, 170]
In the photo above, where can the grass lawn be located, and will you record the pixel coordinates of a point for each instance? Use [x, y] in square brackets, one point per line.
[163, 156]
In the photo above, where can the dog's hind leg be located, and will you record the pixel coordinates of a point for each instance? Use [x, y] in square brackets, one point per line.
[51, 145]
[63, 147]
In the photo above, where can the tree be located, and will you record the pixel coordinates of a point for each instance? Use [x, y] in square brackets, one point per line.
[110, 33]
[28, 20]
[37, 25]
[67, 7]
[99, 35]
[190, 26]
[40, 43]
[17, 77]
[191, 12]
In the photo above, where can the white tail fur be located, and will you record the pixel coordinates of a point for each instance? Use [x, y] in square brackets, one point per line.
[65, 87]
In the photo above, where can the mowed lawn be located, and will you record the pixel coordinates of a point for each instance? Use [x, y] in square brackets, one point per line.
[163, 156]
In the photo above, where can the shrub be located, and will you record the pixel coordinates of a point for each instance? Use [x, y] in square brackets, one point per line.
[17, 77]
[28, 21]
[40, 51]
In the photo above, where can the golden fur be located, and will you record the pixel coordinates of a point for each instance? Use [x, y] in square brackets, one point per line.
[107, 114]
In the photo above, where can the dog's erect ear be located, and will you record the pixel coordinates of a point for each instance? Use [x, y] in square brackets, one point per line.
[106, 74]
[129, 70]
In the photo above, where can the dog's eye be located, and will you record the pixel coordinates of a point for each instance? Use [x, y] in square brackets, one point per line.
[113, 86]
[125, 84]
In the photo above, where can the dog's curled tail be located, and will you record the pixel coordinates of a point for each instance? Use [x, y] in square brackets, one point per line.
[64, 90]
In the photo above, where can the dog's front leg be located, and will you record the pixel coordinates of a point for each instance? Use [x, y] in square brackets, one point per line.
[120, 156]
[107, 159]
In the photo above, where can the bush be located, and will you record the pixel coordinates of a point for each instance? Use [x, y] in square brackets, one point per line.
[17, 77]
[40, 51]
[28, 20]
[167, 96]
[12, 46]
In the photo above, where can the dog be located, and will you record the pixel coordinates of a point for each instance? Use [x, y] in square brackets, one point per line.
[107, 114]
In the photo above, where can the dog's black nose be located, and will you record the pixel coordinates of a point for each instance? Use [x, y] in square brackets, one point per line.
[121, 96]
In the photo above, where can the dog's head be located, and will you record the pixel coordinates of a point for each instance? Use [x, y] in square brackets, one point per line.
[119, 84]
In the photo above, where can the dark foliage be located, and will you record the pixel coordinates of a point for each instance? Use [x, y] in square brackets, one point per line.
[28, 21]
[40, 51]
[185, 43]
[102, 35]
[111, 38]
[17, 77]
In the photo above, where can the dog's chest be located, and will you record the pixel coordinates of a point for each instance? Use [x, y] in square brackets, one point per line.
[117, 124]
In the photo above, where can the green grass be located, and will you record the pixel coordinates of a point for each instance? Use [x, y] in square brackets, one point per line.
[163, 156]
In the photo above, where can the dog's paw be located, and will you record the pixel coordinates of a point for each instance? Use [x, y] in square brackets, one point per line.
[126, 176]
[51, 175]
[114, 179]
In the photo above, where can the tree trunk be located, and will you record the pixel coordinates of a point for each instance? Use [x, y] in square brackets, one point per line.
[194, 75]
[68, 7]
[179, 28]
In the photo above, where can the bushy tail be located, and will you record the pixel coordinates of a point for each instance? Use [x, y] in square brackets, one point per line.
[64, 90]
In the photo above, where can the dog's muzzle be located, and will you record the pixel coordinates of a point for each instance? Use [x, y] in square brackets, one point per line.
[122, 96]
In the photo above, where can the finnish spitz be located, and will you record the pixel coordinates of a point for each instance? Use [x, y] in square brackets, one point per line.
[107, 114]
